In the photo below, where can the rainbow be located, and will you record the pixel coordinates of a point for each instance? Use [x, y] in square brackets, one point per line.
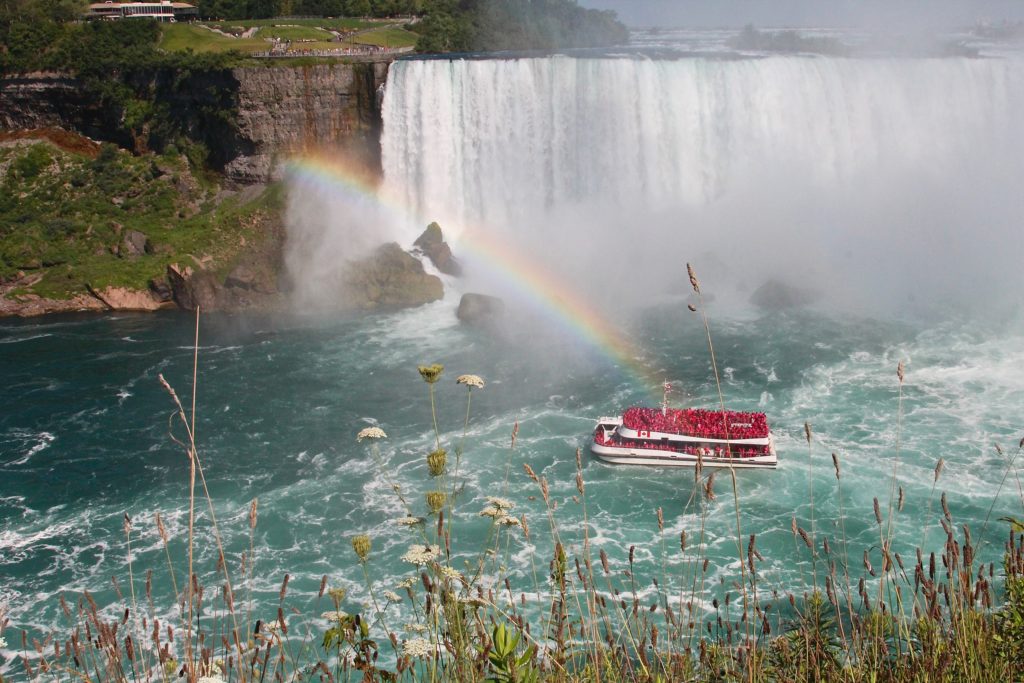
[551, 296]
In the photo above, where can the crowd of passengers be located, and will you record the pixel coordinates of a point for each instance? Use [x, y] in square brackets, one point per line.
[697, 422]
[718, 451]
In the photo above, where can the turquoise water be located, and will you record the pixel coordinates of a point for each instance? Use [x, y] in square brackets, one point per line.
[84, 440]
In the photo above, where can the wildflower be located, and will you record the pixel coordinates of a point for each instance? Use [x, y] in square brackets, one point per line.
[510, 521]
[436, 500]
[416, 628]
[407, 583]
[418, 647]
[3, 642]
[471, 381]
[408, 521]
[500, 503]
[436, 461]
[361, 544]
[210, 679]
[334, 616]
[392, 596]
[421, 554]
[371, 433]
[431, 373]
[450, 573]
[489, 511]
[337, 595]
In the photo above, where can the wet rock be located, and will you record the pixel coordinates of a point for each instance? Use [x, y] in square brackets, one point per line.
[390, 278]
[125, 299]
[775, 295]
[479, 308]
[432, 244]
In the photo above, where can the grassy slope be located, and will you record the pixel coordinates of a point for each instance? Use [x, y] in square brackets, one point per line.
[58, 220]
[180, 37]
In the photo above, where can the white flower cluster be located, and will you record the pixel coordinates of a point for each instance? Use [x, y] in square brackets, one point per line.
[471, 381]
[416, 628]
[210, 679]
[418, 647]
[510, 521]
[408, 521]
[407, 583]
[501, 503]
[3, 642]
[371, 433]
[334, 616]
[392, 596]
[450, 573]
[489, 511]
[421, 554]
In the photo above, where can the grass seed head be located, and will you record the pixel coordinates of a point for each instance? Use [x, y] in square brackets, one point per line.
[693, 278]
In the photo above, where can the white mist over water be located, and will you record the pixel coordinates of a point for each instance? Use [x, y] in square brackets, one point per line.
[889, 183]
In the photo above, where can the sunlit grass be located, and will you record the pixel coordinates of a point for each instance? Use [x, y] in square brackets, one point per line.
[181, 37]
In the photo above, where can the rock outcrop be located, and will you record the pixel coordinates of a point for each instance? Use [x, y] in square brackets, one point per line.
[276, 111]
[125, 299]
[431, 243]
[479, 308]
[775, 295]
[390, 278]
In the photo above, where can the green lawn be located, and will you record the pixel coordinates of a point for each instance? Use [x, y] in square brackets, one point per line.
[294, 33]
[340, 23]
[387, 37]
[180, 37]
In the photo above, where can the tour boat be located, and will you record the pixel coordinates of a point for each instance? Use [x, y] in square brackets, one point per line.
[682, 437]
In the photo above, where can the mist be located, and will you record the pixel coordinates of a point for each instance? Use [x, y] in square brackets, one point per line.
[887, 187]
[874, 14]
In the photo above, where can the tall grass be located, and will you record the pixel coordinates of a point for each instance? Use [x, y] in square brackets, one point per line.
[910, 614]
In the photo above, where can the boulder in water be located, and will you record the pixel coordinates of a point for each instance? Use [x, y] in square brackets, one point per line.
[479, 308]
[432, 244]
[775, 295]
[390, 278]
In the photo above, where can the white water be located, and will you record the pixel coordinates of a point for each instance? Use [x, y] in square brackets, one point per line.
[881, 179]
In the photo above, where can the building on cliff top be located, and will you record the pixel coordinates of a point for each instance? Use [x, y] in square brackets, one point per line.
[160, 11]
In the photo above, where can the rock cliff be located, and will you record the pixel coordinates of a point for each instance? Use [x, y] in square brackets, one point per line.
[270, 112]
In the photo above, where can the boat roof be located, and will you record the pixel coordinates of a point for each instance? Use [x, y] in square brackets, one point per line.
[698, 423]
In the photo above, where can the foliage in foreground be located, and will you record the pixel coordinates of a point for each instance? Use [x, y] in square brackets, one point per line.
[575, 616]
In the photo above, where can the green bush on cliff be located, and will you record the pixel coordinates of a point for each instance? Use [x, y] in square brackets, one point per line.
[65, 218]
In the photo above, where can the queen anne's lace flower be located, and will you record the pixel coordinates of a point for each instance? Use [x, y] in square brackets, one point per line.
[334, 616]
[418, 647]
[510, 521]
[471, 381]
[415, 628]
[450, 573]
[501, 503]
[490, 511]
[407, 583]
[392, 596]
[3, 643]
[408, 521]
[371, 433]
[421, 554]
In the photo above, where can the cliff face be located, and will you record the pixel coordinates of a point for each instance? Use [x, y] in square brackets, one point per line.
[249, 118]
[287, 110]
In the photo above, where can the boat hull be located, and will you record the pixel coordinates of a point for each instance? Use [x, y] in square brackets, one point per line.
[620, 455]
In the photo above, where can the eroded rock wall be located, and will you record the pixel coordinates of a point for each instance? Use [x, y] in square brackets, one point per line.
[250, 118]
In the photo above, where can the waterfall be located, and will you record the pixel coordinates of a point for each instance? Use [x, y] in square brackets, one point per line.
[859, 166]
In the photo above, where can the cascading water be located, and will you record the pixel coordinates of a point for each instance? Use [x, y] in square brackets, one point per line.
[897, 169]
